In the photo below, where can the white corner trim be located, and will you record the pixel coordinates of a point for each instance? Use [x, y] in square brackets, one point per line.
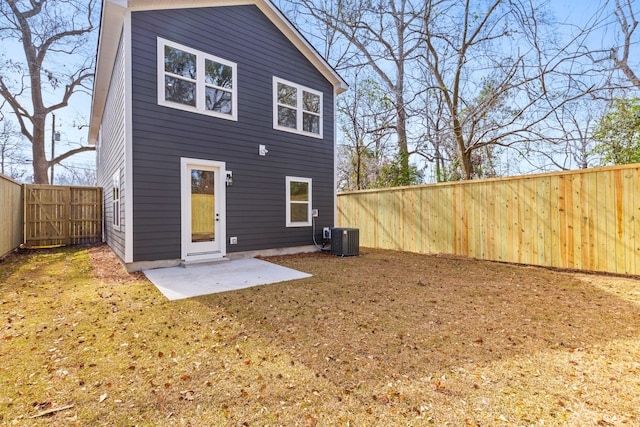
[335, 159]
[128, 143]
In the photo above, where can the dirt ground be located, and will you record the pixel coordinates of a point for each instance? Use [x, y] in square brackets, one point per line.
[385, 338]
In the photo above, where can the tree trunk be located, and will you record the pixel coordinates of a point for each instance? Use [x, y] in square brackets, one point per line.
[40, 163]
[403, 147]
[465, 155]
[467, 166]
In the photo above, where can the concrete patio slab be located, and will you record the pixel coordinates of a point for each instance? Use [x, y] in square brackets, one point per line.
[178, 283]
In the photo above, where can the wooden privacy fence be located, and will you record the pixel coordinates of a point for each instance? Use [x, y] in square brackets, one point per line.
[59, 215]
[587, 219]
[202, 216]
[10, 215]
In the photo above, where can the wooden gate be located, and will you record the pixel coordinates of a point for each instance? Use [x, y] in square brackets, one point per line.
[57, 215]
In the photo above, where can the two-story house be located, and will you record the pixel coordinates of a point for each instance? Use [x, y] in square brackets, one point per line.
[215, 133]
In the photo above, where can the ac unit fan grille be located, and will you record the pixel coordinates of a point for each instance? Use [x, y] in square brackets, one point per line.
[345, 241]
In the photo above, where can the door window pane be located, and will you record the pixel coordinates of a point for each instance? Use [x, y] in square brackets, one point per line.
[202, 206]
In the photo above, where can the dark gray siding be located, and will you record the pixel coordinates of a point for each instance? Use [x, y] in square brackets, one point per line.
[110, 154]
[256, 201]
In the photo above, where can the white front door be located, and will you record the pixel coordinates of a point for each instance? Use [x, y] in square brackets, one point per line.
[203, 209]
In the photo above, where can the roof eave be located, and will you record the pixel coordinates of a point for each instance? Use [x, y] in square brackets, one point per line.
[112, 13]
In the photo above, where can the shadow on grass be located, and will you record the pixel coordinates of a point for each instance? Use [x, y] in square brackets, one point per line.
[385, 314]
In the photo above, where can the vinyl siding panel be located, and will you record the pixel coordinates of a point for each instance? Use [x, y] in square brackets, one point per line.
[161, 135]
[110, 154]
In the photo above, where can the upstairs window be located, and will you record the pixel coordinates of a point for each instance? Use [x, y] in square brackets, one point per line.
[297, 108]
[194, 81]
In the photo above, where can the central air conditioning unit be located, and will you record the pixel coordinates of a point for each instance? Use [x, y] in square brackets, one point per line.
[345, 241]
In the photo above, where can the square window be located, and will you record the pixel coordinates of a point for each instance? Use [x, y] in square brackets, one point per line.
[297, 109]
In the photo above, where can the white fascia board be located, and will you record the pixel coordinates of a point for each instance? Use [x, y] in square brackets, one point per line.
[299, 41]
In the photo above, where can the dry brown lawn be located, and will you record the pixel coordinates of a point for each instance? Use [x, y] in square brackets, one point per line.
[383, 339]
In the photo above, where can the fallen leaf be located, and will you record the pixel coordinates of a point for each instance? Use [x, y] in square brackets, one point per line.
[187, 395]
[42, 405]
[310, 421]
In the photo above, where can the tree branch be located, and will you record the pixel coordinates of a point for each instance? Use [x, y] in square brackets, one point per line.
[70, 153]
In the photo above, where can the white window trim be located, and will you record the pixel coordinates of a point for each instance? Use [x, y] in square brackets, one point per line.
[299, 110]
[290, 223]
[200, 81]
[116, 204]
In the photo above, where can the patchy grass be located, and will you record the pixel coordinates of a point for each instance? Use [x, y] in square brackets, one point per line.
[386, 338]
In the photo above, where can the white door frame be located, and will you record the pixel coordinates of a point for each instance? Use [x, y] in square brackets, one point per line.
[220, 206]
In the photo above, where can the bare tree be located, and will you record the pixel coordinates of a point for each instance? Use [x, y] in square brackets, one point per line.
[570, 144]
[364, 116]
[382, 35]
[11, 157]
[501, 73]
[76, 176]
[53, 34]
[619, 55]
